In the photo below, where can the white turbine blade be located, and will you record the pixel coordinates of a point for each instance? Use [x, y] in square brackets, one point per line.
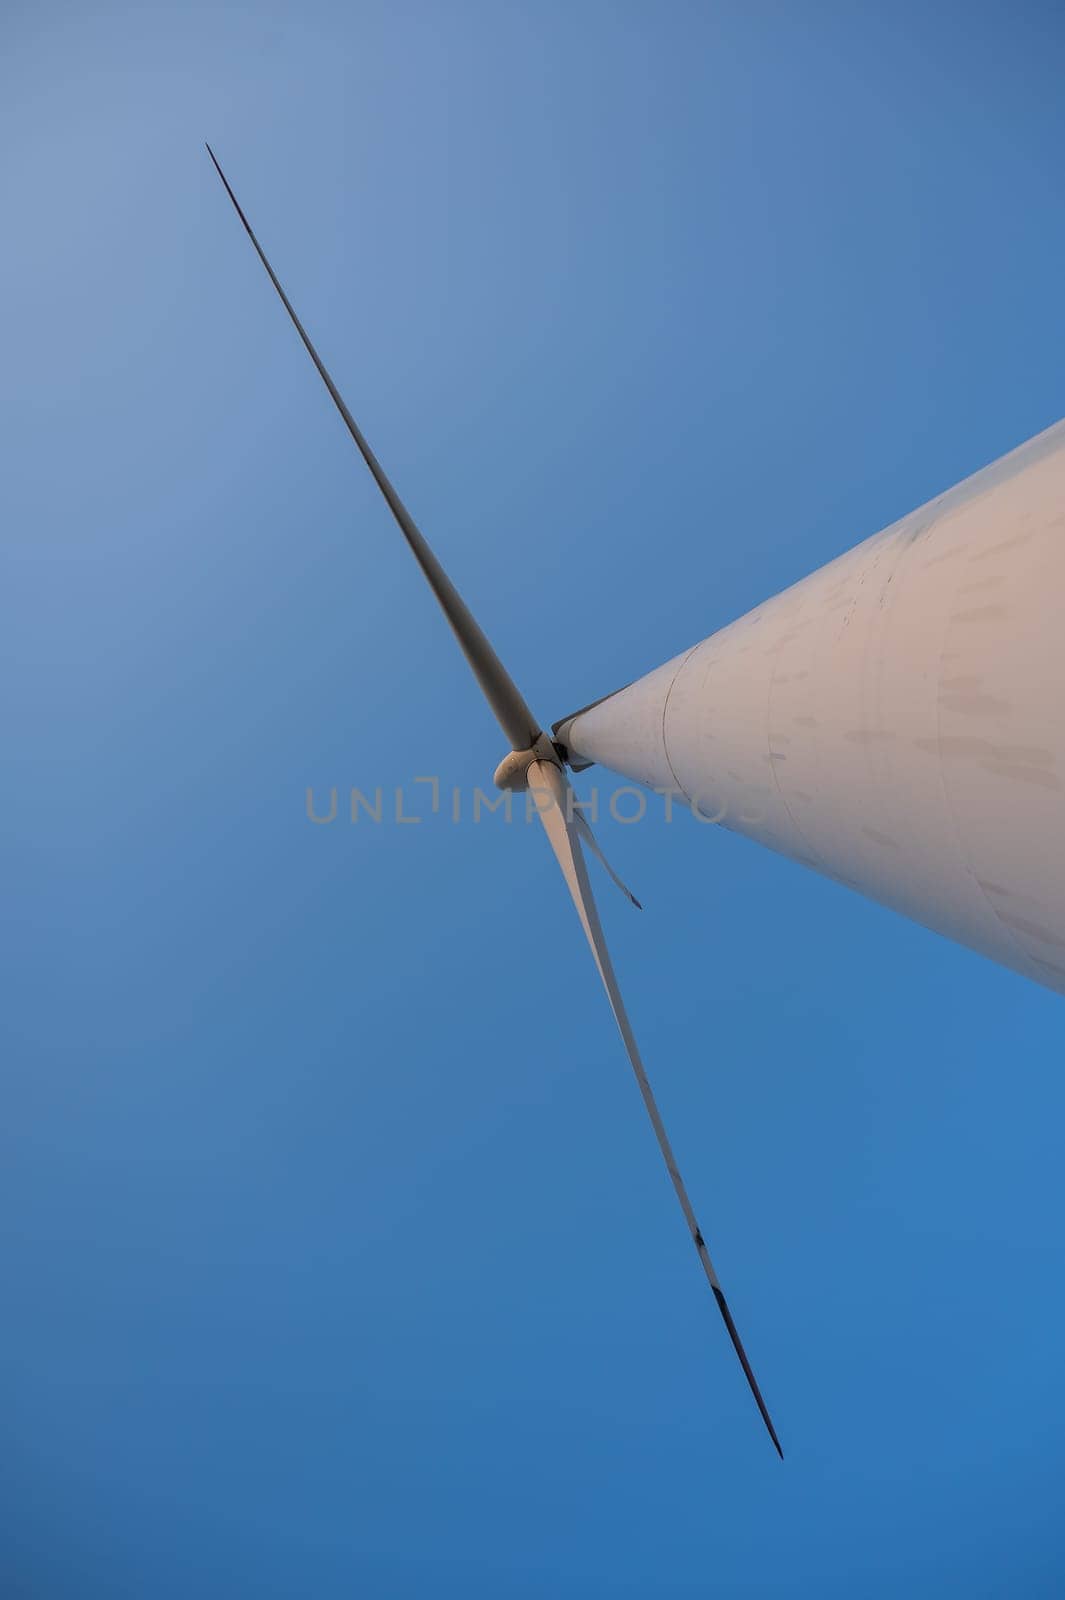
[587, 837]
[547, 779]
[498, 687]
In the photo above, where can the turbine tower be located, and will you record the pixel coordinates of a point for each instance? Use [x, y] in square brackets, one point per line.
[895, 721]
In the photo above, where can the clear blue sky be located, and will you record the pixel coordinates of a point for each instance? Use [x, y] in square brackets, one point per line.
[337, 1256]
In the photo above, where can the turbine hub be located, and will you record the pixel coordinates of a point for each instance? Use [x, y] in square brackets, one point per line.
[513, 771]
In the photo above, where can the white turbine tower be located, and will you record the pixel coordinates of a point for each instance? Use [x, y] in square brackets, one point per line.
[894, 721]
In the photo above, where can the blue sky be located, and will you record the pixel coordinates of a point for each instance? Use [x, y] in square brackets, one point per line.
[338, 1258]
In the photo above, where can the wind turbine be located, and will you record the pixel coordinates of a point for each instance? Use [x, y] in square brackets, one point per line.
[894, 721]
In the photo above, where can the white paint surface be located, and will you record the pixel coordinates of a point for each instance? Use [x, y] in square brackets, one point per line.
[896, 720]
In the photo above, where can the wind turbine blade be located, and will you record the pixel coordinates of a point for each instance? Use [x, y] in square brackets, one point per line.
[546, 779]
[502, 694]
[588, 838]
